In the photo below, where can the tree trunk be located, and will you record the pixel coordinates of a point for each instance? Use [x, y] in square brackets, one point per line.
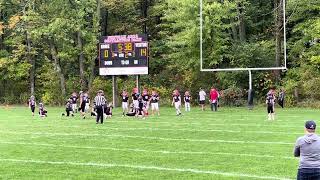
[1, 33]
[234, 30]
[104, 23]
[32, 63]
[57, 66]
[96, 29]
[92, 74]
[242, 28]
[278, 36]
[144, 13]
[81, 61]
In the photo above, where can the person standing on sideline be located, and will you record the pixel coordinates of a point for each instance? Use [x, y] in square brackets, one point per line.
[270, 106]
[214, 96]
[32, 104]
[307, 148]
[125, 99]
[176, 101]
[187, 99]
[100, 101]
[281, 98]
[202, 99]
[154, 100]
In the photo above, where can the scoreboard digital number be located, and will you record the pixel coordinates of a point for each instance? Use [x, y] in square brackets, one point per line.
[124, 55]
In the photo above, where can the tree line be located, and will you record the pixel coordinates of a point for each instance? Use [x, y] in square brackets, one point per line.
[49, 48]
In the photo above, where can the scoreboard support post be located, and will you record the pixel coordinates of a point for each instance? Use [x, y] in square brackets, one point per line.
[114, 91]
[137, 82]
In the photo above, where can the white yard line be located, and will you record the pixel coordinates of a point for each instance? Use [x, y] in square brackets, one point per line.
[176, 129]
[142, 167]
[209, 124]
[251, 125]
[147, 151]
[150, 137]
[146, 121]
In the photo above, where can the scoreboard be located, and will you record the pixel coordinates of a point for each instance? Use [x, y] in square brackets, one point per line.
[123, 55]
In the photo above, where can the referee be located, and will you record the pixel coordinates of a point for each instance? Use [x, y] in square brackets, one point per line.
[99, 102]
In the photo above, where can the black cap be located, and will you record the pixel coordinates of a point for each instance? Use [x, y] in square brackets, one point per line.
[310, 125]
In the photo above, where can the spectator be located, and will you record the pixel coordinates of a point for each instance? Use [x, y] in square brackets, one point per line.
[308, 149]
[202, 99]
[214, 95]
[281, 98]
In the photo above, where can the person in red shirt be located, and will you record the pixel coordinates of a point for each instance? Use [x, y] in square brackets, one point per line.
[214, 95]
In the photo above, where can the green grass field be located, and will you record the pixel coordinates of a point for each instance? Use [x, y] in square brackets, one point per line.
[233, 143]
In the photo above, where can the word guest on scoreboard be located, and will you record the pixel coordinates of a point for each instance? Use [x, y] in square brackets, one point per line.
[124, 55]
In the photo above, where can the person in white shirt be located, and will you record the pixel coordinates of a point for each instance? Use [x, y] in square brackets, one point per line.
[202, 99]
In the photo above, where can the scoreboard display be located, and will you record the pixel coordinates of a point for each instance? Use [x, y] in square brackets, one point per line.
[124, 55]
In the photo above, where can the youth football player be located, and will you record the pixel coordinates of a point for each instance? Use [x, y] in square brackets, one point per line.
[125, 99]
[32, 104]
[131, 111]
[176, 101]
[135, 95]
[69, 106]
[74, 99]
[270, 101]
[87, 102]
[141, 108]
[42, 111]
[154, 100]
[145, 99]
[84, 104]
[187, 99]
[108, 110]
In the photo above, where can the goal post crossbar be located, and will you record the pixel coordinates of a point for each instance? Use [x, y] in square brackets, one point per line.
[243, 69]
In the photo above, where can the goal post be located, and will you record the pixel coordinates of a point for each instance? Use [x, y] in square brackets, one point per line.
[250, 91]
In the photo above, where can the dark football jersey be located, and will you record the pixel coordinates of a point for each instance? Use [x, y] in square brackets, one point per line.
[74, 99]
[154, 98]
[135, 96]
[176, 98]
[125, 98]
[145, 97]
[187, 98]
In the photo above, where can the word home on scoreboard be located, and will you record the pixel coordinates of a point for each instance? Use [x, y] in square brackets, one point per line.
[124, 55]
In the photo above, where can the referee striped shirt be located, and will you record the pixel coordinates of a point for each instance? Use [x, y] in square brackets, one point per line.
[100, 100]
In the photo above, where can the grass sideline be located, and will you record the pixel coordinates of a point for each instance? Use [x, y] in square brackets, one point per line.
[234, 143]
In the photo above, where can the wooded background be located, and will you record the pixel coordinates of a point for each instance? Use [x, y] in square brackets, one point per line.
[49, 48]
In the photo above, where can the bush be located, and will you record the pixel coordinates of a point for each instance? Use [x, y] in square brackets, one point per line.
[232, 96]
[99, 83]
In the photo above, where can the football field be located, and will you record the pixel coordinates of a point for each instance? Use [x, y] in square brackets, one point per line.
[234, 143]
